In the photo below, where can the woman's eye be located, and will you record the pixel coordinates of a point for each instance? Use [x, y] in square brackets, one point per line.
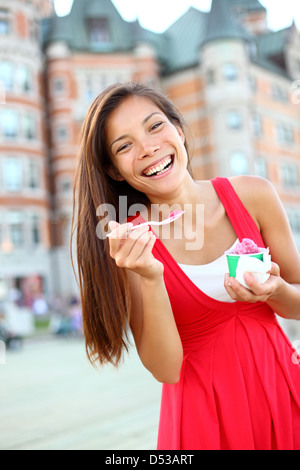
[156, 125]
[123, 147]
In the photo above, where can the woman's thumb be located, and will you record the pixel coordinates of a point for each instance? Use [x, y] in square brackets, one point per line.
[112, 225]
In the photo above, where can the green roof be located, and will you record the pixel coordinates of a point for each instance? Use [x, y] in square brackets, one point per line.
[179, 47]
[248, 5]
[222, 24]
[184, 39]
[270, 50]
[73, 29]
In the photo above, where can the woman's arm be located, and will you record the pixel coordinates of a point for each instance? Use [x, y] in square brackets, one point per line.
[282, 290]
[152, 322]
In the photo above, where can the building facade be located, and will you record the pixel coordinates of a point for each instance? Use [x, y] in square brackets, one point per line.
[25, 229]
[235, 82]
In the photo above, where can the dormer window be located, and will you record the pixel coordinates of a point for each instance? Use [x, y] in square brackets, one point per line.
[98, 30]
[230, 71]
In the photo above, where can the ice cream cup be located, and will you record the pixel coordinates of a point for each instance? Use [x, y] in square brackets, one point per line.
[232, 261]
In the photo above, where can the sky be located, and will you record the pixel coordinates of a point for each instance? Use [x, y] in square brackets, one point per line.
[158, 15]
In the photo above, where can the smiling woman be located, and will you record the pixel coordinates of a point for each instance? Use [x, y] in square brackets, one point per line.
[230, 376]
[112, 155]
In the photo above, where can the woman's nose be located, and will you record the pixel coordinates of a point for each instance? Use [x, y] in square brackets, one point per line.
[148, 148]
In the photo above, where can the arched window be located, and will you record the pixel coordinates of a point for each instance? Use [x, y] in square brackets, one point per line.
[239, 164]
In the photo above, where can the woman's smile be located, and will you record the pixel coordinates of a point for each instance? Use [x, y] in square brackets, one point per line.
[159, 168]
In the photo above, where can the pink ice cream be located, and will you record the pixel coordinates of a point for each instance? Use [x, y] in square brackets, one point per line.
[245, 247]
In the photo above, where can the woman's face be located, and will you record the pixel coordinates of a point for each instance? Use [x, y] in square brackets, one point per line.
[146, 149]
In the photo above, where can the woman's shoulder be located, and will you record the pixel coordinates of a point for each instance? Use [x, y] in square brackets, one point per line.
[252, 189]
[258, 195]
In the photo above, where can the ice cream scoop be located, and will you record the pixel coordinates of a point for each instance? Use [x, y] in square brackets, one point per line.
[245, 247]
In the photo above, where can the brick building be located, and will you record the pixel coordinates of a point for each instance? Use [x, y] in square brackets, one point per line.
[234, 81]
[25, 235]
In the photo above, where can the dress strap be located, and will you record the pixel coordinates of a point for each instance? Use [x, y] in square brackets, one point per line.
[239, 216]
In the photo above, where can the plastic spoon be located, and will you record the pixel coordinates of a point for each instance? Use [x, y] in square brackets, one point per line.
[172, 216]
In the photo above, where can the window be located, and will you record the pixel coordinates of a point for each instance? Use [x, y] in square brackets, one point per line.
[98, 30]
[29, 126]
[9, 123]
[24, 78]
[252, 82]
[285, 133]
[279, 93]
[210, 77]
[290, 175]
[94, 82]
[12, 174]
[260, 167]
[59, 86]
[16, 228]
[35, 230]
[1, 231]
[234, 119]
[294, 219]
[62, 133]
[256, 125]
[6, 75]
[89, 92]
[4, 22]
[2, 93]
[65, 185]
[230, 71]
[239, 164]
[33, 174]
[33, 30]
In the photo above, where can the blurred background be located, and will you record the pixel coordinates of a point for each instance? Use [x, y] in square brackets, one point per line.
[231, 68]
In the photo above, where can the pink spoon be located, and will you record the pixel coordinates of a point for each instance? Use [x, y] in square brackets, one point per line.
[174, 215]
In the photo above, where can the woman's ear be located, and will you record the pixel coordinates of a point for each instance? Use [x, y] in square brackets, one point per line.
[114, 174]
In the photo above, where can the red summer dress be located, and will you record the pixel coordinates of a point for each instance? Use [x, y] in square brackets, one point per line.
[239, 387]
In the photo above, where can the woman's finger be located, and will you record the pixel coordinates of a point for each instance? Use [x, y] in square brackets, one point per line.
[132, 248]
[119, 232]
[242, 294]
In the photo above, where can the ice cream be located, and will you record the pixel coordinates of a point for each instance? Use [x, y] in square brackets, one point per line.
[246, 256]
[245, 247]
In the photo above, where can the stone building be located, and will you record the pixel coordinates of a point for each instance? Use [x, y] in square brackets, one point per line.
[235, 82]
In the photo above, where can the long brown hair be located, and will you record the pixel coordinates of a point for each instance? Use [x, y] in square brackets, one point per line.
[104, 291]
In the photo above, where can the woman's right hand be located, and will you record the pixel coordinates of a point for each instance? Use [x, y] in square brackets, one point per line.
[133, 250]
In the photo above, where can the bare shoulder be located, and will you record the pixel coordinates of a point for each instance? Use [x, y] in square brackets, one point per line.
[252, 188]
[258, 195]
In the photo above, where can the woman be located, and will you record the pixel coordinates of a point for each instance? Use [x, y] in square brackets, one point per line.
[228, 378]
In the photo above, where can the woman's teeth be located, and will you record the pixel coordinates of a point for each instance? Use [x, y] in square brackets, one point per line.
[160, 168]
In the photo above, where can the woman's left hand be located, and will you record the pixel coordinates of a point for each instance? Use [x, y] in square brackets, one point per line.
[259, 292]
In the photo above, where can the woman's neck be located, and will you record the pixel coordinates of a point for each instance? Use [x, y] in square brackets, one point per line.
[189, 192]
